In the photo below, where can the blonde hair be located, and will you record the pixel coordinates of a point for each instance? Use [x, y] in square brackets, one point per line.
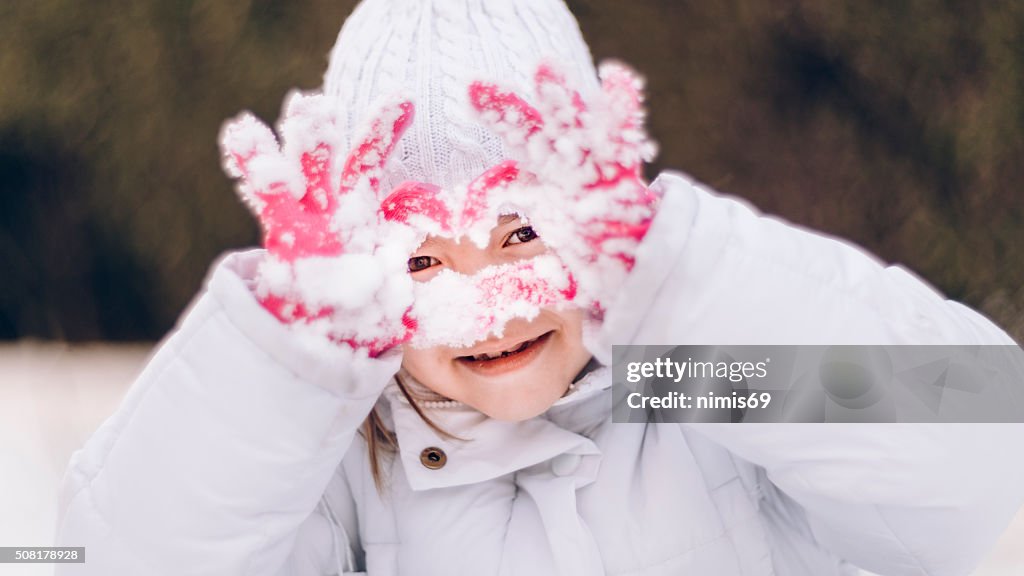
[380, 441]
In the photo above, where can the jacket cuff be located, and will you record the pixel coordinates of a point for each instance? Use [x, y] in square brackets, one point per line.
[336, 367]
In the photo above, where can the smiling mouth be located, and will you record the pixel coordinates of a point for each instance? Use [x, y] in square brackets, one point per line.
[517, 349]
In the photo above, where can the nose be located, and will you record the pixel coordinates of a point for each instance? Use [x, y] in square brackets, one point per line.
[468, 258]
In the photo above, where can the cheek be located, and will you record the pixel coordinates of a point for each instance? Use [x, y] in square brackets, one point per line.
[419, 362]
[531, 249]
[429, 367]
[572, 323]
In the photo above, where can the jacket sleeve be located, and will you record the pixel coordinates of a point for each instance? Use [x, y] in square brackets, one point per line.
[223, 446]
[896, 499]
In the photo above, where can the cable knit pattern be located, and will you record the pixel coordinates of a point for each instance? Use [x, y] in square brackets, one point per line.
[431, 50]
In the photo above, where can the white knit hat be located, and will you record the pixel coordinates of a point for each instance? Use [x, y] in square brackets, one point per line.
[431, 50]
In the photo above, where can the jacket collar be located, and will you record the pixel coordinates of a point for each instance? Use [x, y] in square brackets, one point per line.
[494, 448]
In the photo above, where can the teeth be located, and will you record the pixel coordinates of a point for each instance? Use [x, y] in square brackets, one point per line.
[505, 353]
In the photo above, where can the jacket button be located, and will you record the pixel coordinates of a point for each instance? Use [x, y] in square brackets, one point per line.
[433, 458]
[565, 464]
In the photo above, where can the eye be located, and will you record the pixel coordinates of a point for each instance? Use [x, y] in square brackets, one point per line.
[417, 263]
[521, 236]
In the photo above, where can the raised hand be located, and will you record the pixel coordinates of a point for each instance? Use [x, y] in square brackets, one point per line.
[328, 268]
[582, 162]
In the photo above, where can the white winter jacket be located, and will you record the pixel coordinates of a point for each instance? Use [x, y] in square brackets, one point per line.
[236, 451]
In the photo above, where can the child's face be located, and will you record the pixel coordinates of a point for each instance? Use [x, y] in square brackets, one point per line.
[546, 353]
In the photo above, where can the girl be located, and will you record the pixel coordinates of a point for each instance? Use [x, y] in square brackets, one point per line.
[412, 377]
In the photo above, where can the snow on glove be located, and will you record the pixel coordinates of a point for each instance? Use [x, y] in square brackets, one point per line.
[582, 163]
[335, 267]
[454, 309]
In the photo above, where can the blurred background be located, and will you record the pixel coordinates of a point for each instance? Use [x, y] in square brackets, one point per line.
[897, 125]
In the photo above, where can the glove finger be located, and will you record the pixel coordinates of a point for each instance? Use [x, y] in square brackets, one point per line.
[411, 199]
[559, 102]
[480, 189]
[369, 155]
[247, 147]
[622, 89]
[569, 123]
[505, 112]
[310, 140]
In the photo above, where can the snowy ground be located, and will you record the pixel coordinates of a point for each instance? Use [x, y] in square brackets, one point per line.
[53, 396]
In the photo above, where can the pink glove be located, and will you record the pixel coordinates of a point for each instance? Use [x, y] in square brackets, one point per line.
[583, 164]
[328, 270]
